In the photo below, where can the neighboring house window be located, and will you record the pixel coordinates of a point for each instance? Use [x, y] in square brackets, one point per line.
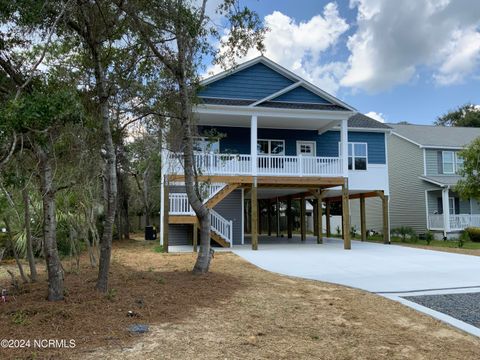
[448, 162]
[357, 155]
[451, 205]
[458, 163]
[206, 145]
[271, 147]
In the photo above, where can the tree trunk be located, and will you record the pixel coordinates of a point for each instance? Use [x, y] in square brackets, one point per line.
[54, 267]
[14, 250]
[28, 234]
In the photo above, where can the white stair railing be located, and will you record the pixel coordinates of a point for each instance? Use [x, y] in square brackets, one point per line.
[221, 226]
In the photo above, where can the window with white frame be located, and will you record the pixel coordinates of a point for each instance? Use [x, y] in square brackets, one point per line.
[451, 205]
[458, 163]
[448, 162]
[270, 147]
[206, 145]
[357, 155]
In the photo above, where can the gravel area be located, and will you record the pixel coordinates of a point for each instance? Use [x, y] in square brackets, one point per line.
[464, 307]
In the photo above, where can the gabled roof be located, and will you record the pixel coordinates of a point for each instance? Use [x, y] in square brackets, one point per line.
[441, 137]
[266, 83]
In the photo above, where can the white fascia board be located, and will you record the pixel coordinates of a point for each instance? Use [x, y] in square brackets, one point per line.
[278, 93]
[406, 139]
[355, 129]
[442, 147]
[287, 113]
[433, 182]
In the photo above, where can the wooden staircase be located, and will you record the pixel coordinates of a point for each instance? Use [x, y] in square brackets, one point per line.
[220, 195]
[218, 239]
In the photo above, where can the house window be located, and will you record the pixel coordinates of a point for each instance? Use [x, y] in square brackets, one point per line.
[271, 147]
[448, 162]
[357, 155]
[451, 205]
[458, 163]
[206, 145]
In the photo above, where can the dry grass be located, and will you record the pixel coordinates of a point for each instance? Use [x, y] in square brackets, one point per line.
[236, 311]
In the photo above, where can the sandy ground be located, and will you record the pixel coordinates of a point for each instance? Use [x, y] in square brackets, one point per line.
[237, 311]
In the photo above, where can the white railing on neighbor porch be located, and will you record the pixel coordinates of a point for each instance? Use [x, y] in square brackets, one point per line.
[179, 204]
[271, 165]
[221, 226]
[457, 222]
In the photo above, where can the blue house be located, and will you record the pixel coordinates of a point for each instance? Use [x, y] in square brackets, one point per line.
[281, 141]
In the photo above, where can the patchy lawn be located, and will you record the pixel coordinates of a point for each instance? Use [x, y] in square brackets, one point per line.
[236, 311]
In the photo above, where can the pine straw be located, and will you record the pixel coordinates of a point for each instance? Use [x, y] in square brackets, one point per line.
[237, 311]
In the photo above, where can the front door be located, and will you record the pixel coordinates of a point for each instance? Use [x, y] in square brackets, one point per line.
[306, 148]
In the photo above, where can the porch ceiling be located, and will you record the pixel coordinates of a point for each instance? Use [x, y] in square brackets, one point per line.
[267, 121]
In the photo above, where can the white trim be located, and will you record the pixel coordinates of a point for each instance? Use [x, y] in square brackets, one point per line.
[253, 143]
[406, 139]
[309, 142]
[424, 162]
[432, 181]
[453, 162]
[283, 71]
[426, 209]
[270, 147]
[277, 112]
[278, 93]
[442, 147]
[388, 176]
[353, 155]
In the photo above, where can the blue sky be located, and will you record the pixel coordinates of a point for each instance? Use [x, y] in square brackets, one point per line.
[411, 63]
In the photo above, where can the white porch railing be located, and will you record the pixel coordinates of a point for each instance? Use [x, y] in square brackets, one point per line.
[272, 165]
[457, 222]
[221, 226]
[179, 205]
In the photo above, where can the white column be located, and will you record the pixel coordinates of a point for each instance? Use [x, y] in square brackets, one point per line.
[253, 144]
[446, 211]
[344, 146]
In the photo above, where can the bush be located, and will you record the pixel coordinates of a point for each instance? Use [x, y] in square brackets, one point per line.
[463, 238]
[405, 232]
[473, 233]
[428, 237]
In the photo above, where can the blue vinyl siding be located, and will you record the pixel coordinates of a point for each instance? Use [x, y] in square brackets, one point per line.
[237, 140]
[255, 82]
[301, 95]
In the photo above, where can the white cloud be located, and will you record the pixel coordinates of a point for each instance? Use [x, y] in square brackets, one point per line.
[377, 116]
[299, 46]
[394, 39]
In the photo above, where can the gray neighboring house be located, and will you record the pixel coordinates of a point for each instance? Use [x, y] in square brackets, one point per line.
[423, 170]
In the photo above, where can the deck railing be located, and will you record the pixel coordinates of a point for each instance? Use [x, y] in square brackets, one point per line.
[457, 222]
[271, 165]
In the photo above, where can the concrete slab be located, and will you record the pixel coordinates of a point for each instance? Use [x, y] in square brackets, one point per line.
[373, 267]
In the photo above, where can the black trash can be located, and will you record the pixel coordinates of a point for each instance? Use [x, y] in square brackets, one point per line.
[150, 233]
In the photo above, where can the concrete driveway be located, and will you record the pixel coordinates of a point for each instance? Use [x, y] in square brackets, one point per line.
[373, 267]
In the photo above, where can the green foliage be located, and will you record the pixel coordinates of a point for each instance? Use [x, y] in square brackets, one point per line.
[353, 231]
[428, 237]
[473, 233]
[338, 230]
[111, 294]
[469, 185]
[463, 238]
[158, 249]
[19, 317]
[466, 115]
[405, 232]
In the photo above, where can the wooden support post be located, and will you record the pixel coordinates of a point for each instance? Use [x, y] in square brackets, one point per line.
[166, 210]
[289, 217]
[363, 221]
[269, 217]
[319, 222]
[386, 226]
[345, 217]
[195, 237]
[254, 216]
[315, 217]
[303, 225]
[327, 218]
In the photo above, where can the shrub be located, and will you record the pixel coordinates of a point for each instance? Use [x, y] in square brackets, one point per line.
[428, 237]
[338, 230]
[463, 238]
[473, 233]
[405, 232]
[353, 231]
